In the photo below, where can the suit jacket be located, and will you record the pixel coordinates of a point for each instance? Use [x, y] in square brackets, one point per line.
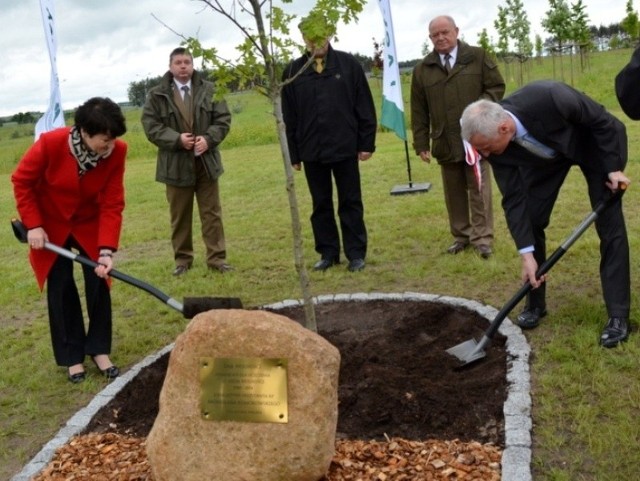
[579, 129]
[626, 83]
[438, 99]
[50, 193]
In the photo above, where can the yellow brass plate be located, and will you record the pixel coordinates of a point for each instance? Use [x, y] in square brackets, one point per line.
[248, 389]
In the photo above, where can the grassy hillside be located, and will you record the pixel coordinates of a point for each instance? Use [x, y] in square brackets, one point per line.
[585, 399]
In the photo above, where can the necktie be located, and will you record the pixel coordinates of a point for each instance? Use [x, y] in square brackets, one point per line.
[447, 63]
[534, 146]
[186, 98]
[319, 66]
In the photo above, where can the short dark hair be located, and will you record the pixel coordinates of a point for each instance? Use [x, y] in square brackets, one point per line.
[179, 51]
[100, 115]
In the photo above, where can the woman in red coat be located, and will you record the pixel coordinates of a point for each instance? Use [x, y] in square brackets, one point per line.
[69, 191]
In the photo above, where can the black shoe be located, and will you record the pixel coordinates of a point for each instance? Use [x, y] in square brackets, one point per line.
[179, 270]
[111, 372]
[77, 377]
[615, 332]
[530, 317]
[356, 265]
[324, 263]
[457, 246]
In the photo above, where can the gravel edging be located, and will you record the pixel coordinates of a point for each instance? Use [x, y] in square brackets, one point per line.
[516, 457]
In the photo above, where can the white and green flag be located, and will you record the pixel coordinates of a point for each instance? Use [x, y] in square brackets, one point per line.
[392, 104]
[54, 116]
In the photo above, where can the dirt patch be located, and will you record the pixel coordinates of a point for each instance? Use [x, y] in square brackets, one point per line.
[396, 379]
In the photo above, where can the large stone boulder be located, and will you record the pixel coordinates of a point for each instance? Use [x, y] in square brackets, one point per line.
[184, 445]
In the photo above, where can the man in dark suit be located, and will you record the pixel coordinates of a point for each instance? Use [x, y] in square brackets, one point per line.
[331, 126]
[532, 138]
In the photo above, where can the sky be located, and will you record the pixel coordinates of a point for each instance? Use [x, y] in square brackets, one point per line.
[103, 46]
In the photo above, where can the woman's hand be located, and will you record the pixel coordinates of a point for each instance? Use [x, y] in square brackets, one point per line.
[105, 261]
[37, 237]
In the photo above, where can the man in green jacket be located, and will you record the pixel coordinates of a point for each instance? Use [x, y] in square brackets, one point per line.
[181, 118]
[448, 79]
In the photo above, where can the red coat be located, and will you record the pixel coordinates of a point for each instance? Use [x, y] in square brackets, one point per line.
[50, 194]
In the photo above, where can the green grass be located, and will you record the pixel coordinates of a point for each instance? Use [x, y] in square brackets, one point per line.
[585, 399]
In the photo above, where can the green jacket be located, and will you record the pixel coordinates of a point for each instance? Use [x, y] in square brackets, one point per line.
[163, 124]
[437, 100]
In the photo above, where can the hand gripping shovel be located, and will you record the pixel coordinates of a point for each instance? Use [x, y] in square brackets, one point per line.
[471, 351]
[189, 309]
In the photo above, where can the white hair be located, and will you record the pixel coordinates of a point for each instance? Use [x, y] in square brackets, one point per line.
[482, 117]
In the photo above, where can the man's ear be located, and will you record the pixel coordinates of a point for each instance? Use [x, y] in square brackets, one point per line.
[504, 127]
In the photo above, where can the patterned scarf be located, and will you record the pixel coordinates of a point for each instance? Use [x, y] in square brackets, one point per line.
[87, 159]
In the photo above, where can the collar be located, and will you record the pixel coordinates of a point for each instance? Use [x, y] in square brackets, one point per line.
[521, 131]
[453, 54]
[179, 85]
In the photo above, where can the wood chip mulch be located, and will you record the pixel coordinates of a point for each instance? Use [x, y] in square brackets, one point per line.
[114, 457]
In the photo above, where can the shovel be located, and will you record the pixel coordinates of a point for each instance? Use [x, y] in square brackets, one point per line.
[189, 309]
[471, 351]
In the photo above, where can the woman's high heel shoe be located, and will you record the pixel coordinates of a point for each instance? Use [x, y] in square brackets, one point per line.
[77, 377]
[111, 372]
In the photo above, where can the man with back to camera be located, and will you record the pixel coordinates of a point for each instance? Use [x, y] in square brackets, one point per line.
[452, 76]
[187, 125]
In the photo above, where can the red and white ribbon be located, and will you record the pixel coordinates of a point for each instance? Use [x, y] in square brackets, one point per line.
[473, 159]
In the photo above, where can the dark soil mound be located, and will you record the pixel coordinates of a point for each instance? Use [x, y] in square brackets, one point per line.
[396, 378]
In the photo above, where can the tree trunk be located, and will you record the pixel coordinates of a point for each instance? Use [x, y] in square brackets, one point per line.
[298, 252]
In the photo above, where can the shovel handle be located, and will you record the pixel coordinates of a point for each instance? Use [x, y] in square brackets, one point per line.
[555, 257]
[20, 232]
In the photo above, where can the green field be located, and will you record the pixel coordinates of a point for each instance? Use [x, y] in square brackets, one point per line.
[585, 399]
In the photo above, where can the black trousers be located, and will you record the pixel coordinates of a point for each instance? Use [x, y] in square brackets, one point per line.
[71, 343]
[543, 187]
[346, 174]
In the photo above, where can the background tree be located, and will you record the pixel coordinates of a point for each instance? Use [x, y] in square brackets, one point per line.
[630, 22]
[519, 31]
[501, 25]
[137, 91]
[539, 47]
[580, 32]
[557, 22]
[485, 43]
[266, 48]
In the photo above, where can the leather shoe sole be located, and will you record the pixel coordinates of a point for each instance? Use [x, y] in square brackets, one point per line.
[356, 265]
[530, 318]
[615, 332]
[324, 264]
[457, 247]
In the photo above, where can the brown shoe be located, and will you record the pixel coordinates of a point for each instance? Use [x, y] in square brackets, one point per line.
[457, 246]
[484, 251]
[224, 267]
[179, 270]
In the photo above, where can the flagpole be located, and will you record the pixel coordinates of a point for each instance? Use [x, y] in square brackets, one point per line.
[392, 102]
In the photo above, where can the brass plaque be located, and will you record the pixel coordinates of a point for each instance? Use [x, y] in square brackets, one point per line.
[249, 389]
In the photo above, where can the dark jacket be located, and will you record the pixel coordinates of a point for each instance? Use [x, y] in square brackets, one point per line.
[627, 82]
[579, 129]
[163, 124]
[438, 99]
[329, 116]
